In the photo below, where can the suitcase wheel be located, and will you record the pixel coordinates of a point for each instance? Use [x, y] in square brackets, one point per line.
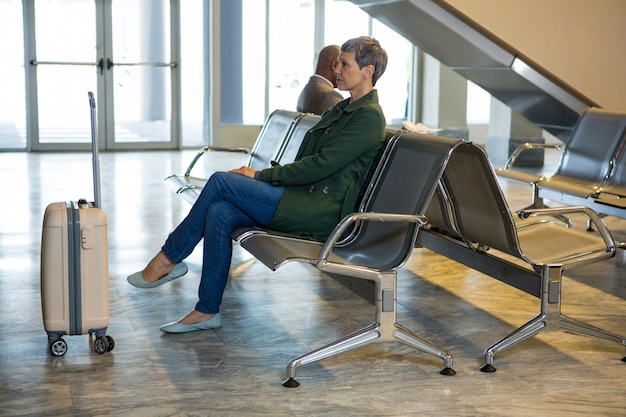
[111, 343]
[58, 347]
[101, 345]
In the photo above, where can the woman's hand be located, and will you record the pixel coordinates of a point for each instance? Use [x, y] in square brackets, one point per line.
[245, 171]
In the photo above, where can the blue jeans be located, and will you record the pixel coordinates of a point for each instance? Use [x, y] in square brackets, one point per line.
[227, 201]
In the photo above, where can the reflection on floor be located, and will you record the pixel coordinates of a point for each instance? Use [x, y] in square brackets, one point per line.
[271, 317]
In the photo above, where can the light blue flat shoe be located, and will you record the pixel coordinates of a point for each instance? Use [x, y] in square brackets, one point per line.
[136, 279]
[175, 327]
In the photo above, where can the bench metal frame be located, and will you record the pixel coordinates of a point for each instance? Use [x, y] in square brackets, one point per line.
[381, 237]
[470, 222]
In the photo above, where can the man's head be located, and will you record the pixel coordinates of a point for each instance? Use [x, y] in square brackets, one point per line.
[327, 62]
[367, 51]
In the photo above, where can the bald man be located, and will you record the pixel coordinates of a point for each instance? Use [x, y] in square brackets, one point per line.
[319, 93]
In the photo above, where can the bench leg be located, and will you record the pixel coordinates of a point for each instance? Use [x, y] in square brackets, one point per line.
[529, 329]
[578, 327]
[408, 337]
[384, 329]
[351, 341]
[549, 318]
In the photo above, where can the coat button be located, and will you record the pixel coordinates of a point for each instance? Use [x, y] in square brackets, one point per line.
[311, 188]
[326, 190]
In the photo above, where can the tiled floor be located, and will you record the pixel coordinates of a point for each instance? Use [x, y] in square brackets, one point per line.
[271, 317]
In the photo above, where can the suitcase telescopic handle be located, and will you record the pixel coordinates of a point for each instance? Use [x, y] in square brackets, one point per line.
[94, 148]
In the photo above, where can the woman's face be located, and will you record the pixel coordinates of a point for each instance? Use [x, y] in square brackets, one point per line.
[349, 76]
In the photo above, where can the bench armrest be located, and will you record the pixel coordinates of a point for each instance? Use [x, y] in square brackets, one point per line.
[525, 146]
[212, 149]
[591, 215]
[349, 220]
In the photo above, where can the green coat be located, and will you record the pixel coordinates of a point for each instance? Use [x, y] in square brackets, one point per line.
[323, 184]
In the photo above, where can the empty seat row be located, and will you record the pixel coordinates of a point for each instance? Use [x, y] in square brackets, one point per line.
[591, 170]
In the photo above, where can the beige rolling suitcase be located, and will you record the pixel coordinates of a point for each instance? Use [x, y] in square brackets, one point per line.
[75, 266]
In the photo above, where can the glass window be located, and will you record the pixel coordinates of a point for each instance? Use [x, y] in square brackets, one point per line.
[344, 20]
[253, 61]
[285, 65]
[141, 42]
[478, 105]
[193, 61]
[290, 56]
[393, 86]
[65, 37]
[13, 104]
